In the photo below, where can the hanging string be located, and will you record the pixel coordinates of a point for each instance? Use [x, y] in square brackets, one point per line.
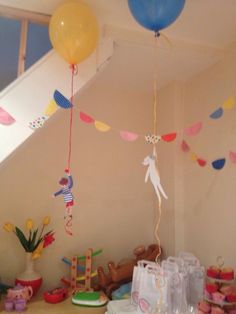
[159, 213]
[73, 72]
[68, 211]
[156, 231]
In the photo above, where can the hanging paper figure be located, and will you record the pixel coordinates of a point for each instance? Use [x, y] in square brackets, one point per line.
[67, 183]
[152, 172]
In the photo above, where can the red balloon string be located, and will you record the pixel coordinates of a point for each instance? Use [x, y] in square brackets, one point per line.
[73, 71]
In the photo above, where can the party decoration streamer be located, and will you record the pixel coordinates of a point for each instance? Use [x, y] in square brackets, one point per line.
[194, 129]
[61, 100]
[51, 108]
[218, 164]
[217, 114]
[5, 117]
[86, 118]
[128, 136]
[100, 126]
[232, 156]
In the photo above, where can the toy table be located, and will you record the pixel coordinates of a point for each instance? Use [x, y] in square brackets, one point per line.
[39, 306]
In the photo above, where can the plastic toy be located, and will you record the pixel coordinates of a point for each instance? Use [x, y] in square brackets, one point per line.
[20, 292]
[81, 273]
[93, 299]
[17, 298]
[18, 304]
[122, 272]
[56, 295]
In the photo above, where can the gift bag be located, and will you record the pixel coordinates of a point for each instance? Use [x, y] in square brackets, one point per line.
[152, 290]
[137, 272]
[176, 289]
[196, 277]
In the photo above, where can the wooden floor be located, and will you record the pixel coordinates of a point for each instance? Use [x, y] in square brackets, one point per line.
[39, 306]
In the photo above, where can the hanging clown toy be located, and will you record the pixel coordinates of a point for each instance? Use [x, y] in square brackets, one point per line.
[66, 184]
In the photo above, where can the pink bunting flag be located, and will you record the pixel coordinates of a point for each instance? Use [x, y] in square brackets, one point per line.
[85, 118]
[169, 137]
[5, 117]
[128, 136]
[232, 156]
[184, 146]
[194, 129]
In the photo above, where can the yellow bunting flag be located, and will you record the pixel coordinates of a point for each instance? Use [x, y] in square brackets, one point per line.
[194, 157]
[229, 103]
[51, 108]
[102, 126]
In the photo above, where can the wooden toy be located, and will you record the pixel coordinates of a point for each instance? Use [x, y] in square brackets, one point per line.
[123, 271]
[81, 273]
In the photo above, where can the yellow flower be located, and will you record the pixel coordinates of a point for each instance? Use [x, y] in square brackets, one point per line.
[8, 227]
[29, 224]
[46, 220]
[37, 252]
[35, 255]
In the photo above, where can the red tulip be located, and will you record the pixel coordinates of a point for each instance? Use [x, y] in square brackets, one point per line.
[48, 239]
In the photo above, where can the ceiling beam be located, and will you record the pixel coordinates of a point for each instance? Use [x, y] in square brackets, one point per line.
[164, 43]
[19, 14]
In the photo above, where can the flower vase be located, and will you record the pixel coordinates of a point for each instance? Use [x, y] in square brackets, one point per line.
[30, 277]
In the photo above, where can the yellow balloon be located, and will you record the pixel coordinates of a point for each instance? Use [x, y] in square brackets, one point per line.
[73, 31]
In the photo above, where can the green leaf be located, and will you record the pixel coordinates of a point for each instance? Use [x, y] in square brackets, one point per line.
[22, 239]
[32, 244]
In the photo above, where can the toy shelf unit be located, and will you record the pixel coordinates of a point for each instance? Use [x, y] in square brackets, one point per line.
[81, 272]
[219, 292]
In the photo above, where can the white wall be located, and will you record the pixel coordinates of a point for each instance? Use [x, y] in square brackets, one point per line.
[209, 195]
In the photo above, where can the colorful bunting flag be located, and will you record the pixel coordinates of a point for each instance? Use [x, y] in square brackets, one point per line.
[217, 114]
[184, 146]
[51, 108]
[61, 100]
[5, 117]
[201, 162]
[229, 103]
[193, 129]
[100, 126]
[152, 139]
[218, 164]
[128, 136]
[38, 123]
[86, 118]
[169, 137]
[232, 156]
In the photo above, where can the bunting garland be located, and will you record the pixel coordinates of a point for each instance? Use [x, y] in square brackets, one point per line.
[60, 101]
[217, 164]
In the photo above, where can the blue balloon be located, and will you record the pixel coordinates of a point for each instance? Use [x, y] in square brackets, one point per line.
[156, 14]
